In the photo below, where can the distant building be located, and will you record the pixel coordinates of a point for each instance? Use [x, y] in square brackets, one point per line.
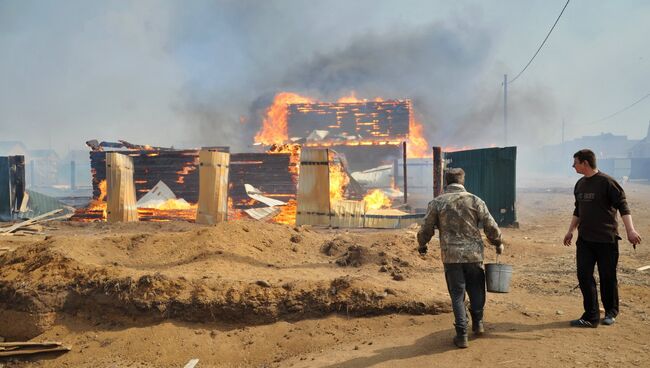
[642, 149]
[559, 157]
[42, 167]
[12, 148]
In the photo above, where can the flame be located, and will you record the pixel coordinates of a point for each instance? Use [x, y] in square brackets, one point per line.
[376, 199]
[287, 213]
[174, 204]
[102, 190]
[417, 146]
[339, 179]
[352, 98]
[274, 127]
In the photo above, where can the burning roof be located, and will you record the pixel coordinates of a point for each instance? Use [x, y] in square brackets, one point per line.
[364, 120]
[348, 122]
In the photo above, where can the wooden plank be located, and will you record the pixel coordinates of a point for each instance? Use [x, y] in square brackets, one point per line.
[213, 187]
[34, 220]
[313, 188]
[192, 363]
[21, 352]
[121, 202]
[29, 344]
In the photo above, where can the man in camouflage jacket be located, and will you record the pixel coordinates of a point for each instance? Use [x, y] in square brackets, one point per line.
[457, 214]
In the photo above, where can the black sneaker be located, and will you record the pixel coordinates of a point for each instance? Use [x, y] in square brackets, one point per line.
[609, 320]
[582, 323]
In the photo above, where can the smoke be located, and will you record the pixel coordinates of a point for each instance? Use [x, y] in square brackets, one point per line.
[202, 72]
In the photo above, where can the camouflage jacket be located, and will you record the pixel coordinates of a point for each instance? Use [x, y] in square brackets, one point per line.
[457, 215]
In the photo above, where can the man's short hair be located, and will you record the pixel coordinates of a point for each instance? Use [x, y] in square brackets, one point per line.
[586, 155]
[455, 176]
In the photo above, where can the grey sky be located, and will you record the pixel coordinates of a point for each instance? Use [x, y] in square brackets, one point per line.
[184, 73]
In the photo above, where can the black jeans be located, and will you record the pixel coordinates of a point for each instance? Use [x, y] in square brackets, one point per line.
[588, 254]
[468, 277]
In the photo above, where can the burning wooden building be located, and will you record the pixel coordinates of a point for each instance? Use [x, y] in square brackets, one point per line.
[368, 133]
[272, 173]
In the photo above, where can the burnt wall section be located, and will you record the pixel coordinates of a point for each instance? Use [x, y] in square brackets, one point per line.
[273, 174]
[370, 120]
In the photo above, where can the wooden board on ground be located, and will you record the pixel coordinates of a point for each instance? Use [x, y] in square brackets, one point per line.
[12, 349]
[121, 203]
[348, 214]
[313, 188]
[213, 187]
[31, 221]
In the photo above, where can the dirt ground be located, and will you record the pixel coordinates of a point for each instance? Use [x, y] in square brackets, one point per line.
[248, 294]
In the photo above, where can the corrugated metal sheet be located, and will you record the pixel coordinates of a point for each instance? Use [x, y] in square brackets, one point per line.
[39, 204]
[347, 213]
[490, 173]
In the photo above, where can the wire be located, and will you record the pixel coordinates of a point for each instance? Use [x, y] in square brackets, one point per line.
[540, 46]
[620, 111]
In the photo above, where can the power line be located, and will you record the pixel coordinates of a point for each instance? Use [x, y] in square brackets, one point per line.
[620, 111]
[540, 46]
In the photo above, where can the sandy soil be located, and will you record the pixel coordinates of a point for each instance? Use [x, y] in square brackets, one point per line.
[246, 294]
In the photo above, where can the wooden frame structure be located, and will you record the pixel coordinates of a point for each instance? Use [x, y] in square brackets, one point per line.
[213, 187]
[313, 188]
[121, 203]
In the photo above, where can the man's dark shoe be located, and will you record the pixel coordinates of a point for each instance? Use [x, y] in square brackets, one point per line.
[478, 328]
[609, 320]
[477, 322]
[461, 340]
[583, 323]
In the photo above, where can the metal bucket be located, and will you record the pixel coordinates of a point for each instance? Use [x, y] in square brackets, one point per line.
[497, 277]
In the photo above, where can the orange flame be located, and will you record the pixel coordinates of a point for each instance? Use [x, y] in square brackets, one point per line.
[352, 98]
[102, 191]
[339, 179]
[417, 146]
[376, 199]
[274, 127]
[287, 213]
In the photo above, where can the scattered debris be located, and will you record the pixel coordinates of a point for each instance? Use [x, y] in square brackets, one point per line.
[192, 363]
[12, 349]
[162, 197]
[264, 212]
[36, 220]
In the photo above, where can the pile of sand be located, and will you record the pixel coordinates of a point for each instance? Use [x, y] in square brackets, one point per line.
[243, 271]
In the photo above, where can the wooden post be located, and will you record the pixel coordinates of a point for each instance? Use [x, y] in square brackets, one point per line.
[406, 190]
[313, 188]
[438, 171]
[213, 187]
[120, 189]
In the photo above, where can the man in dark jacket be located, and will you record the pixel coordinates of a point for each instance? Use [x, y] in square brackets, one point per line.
[457, 215]
[597, 199]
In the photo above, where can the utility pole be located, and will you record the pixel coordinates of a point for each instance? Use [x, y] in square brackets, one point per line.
[505, 109]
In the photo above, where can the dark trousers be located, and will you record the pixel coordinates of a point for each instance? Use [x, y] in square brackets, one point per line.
[588, 254]
[470, 278]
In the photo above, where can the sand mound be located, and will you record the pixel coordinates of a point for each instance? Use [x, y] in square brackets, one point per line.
[243, 271]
